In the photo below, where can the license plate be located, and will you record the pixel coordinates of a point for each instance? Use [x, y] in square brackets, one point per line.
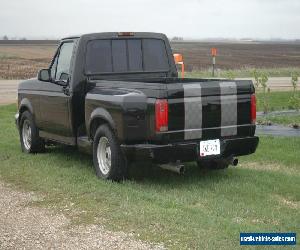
[211, 147]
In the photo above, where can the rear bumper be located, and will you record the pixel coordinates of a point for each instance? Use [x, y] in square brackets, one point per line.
[189, 151]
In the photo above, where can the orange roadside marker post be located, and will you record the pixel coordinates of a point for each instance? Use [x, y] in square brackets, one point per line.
[214, 52]
[179, 60]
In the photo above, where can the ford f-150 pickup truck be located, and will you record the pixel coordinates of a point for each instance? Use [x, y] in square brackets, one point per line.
[118, 94]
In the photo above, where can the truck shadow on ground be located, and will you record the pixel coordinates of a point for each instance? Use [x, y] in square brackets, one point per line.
[146, 172]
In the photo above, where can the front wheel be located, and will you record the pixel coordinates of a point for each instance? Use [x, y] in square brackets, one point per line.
[109, 160]
[29, 135]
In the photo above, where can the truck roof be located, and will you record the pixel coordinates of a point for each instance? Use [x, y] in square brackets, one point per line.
[118, 34]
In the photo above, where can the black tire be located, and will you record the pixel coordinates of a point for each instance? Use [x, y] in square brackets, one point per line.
[35, 144]
[118, 164]
[213, 164]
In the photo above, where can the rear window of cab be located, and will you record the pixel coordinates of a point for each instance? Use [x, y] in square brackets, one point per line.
[126, 56]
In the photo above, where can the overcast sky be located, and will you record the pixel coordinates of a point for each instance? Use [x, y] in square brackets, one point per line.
[263, 19]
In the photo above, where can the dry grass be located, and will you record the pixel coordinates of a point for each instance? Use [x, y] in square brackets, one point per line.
[272, 167]
[32, 52]
[286, 202]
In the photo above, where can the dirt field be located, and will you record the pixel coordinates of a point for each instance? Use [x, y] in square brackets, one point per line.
[239, 55]
[21, 61]
[24, 61]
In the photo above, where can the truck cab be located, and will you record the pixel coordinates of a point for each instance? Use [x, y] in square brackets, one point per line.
[116, 94]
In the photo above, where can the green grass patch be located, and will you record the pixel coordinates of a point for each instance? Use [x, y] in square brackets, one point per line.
[276, 100]
[200, 210]
[244, 72]
[289, 120]
[282, 151]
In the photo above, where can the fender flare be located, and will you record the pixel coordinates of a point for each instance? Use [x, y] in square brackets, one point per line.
[26, 104]
[103, 114]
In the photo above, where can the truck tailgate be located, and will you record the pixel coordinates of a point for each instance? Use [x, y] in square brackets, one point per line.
[209, 110]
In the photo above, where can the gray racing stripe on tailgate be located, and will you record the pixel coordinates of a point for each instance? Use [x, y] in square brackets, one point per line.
[193, 111]
[228, 108]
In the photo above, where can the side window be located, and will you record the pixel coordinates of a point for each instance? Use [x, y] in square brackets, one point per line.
[64, 60]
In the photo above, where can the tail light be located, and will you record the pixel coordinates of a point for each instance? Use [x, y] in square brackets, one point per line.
[253, 109]
[161, 115]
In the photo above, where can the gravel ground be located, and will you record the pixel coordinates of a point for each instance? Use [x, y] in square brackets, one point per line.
[27, 227]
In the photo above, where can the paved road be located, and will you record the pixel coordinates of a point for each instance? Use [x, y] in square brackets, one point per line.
[8, 91]
[277, 130]
[8, 88]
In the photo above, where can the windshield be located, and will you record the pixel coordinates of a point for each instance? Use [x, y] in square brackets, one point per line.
[126, 56]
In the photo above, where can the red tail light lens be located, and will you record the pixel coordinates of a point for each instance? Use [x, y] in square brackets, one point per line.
[253, 109]
[161, 115]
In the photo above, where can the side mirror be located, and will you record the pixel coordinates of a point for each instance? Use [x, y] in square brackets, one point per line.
[63, 80]
[44, 75]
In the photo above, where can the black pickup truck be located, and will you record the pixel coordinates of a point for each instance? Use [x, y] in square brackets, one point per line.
[118, 94]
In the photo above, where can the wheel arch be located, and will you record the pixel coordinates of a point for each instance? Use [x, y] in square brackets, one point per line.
[25, 105]
[98, 117]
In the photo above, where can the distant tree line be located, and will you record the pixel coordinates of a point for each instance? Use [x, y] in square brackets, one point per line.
[177, 38]
[5, 38]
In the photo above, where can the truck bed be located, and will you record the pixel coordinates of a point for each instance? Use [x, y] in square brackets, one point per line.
[199, 109]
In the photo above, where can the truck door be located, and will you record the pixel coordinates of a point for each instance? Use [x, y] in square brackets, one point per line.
[55, 100]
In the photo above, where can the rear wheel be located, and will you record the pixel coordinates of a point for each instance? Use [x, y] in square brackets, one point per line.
[29, 135]
[109, 160]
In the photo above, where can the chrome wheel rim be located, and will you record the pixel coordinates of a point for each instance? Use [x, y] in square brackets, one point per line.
[104, 155]
[26, 134]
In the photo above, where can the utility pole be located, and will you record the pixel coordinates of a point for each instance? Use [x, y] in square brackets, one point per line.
[213, 54]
